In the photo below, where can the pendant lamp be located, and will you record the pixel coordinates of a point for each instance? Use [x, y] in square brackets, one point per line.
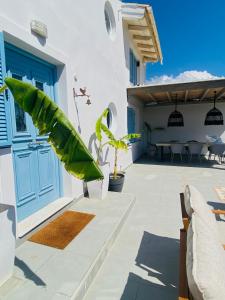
[214, 116]
[175, 118]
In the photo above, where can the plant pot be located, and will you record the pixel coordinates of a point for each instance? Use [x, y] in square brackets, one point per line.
[98, 189]
[7, 241]
[116, 184]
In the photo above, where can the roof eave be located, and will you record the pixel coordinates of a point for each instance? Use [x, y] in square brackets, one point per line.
[146, 39]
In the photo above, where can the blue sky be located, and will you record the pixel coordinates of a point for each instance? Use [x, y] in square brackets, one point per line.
[192, 36]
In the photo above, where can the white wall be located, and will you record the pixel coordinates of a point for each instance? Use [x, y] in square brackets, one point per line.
[79, 45]
[194, 128]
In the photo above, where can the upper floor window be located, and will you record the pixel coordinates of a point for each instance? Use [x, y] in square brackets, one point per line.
[134, 63]
[110, 22]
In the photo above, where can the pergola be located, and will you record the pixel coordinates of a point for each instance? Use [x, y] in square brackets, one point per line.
[185, 93]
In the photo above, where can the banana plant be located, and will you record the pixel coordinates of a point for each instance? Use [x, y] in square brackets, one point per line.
[98, 134]
[51, 121]
[118, 144]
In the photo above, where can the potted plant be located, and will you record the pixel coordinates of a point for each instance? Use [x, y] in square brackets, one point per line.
[99, 188]
[116, 179]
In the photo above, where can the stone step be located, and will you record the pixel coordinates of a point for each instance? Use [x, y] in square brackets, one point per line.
[43, 272]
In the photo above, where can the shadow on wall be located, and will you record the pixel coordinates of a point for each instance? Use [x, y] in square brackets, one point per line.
[126, 47]
[137, 150]
[159, 257]
[40, 39]
[93, 148]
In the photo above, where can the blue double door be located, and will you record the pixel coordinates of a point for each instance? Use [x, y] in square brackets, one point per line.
[36, 168]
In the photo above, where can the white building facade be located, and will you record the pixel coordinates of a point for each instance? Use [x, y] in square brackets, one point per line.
[101, 45]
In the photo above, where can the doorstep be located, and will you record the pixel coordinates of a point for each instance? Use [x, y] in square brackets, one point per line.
[26, 225]
[43, 272]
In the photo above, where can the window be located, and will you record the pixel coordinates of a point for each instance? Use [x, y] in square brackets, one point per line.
[39, 85]
[133, 68]
[131, 122]
[109, 119]
[21, 125]
[110, 22]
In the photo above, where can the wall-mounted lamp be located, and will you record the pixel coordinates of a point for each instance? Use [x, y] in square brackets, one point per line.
[82, 94]
[39, 28]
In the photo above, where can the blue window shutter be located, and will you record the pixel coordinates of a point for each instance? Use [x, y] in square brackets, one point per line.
[5, 138]
[131, 124]
[135, 70]
[131, 67]
[131, 120]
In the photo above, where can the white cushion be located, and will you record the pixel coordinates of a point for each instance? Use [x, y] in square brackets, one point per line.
[205, 262]
[196, 203]
[187, 201]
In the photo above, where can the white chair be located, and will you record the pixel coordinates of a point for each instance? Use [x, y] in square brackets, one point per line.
[195, 149]
[176, 149]
[217, 150]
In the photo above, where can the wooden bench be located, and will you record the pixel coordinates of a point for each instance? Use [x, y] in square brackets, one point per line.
[184, 292]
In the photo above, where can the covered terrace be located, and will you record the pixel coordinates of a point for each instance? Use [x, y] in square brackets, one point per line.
[193, 101]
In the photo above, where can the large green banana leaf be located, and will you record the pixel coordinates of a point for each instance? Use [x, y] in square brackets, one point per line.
[98, 125]
[52, 121]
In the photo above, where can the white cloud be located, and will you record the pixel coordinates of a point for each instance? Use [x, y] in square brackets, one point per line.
[186, 76]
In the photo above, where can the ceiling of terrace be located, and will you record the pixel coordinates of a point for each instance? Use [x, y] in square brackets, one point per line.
[185, 93]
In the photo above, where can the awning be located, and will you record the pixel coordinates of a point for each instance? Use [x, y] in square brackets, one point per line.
[186, 93]
[141, 25]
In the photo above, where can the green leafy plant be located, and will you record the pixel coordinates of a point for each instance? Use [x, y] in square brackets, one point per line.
[100, 128]
[98, 133]
[118, 144]
[51, 121]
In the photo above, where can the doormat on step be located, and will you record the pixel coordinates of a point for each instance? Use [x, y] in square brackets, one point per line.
[61, 231]
[220, 190]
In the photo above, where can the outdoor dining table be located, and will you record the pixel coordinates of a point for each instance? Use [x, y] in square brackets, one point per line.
[162, 145]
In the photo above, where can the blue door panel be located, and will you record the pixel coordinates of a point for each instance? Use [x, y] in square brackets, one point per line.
[35, 164]
[24, 165]
[47, 170]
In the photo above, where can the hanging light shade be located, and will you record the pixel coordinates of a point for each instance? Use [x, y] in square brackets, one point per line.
[175, 118]
[214, 116]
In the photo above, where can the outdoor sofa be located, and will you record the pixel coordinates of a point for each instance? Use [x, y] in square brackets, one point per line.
[202, 255]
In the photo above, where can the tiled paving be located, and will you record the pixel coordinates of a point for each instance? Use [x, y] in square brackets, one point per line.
[143, 263]
[45, 273]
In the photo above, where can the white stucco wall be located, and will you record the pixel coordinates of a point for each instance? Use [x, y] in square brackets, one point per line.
[194, 128]
[79, 45]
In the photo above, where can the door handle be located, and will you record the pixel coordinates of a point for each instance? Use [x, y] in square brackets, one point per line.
[35, 144]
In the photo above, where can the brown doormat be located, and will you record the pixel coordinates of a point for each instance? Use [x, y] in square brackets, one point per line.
[220, 190]
[61, 231]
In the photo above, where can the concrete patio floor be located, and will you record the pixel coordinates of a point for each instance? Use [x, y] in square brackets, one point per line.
[46, 273]
[143, 263]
